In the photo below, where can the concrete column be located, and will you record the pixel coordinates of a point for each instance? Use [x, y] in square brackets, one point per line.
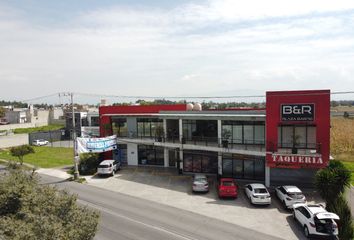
[220, 164]
[267, 176]
[131, 125]
[132, 154]
[181, 159]
[166, 157]
[164, 128]
[219, 132]
[180, 129]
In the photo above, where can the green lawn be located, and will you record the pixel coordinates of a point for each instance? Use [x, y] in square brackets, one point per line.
[45, 157]
[51, 127]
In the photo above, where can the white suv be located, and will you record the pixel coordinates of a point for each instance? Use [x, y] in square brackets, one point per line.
[289, 195]
[315, 220]
[108, 167]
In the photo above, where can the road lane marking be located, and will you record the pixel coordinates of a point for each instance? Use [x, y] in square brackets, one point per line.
[161, 229]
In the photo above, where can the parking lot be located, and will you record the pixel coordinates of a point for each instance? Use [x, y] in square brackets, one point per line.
[167, 187]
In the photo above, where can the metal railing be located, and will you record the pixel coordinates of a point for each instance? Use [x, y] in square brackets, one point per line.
[227, 143]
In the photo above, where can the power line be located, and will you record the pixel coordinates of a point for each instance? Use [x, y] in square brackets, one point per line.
[185, 97]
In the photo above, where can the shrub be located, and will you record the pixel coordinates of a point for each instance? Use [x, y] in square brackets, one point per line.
[88, 163]
[346, 229]
[29, 210]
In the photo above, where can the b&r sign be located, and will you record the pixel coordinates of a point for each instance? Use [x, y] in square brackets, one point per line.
[298, 112]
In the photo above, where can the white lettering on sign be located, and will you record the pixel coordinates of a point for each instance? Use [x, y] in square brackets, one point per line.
[303, 109]
[295, 159]
[297, 112]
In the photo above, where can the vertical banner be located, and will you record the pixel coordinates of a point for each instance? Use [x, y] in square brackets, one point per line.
[96, 145]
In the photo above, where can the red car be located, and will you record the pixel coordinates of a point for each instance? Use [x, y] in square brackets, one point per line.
[227, 187]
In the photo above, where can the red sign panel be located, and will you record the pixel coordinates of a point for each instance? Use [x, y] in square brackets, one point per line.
[294, 161]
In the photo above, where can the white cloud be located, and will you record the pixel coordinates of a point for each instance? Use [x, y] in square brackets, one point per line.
[219, 46]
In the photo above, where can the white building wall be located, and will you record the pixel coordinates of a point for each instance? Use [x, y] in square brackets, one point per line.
[132, 154]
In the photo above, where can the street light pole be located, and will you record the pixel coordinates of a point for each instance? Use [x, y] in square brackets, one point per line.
[76, 168]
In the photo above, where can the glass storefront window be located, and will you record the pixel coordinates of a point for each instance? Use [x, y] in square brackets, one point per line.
[243, 166]
[227, 167]
[248, 134]
[311, 137]
[286, 136]
[119, 126]
[95, 121]
[197, 163]
[200, 162]
[187, 163]
[150, 155]
[226, 132]
[237, 169]
[259, 134]
[244, 132]
[147, 127]
[237, 135]
[299, 136]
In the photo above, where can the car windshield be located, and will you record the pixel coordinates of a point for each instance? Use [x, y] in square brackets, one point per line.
[260, 190]
[104, 166]
[228, 183]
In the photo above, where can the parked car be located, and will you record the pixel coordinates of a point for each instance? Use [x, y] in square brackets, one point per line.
[200, 183]
[227, 187]
[108, 167]
[289, 195]
[40, 142]
[315, 220]
[258, 194]
[3, 121]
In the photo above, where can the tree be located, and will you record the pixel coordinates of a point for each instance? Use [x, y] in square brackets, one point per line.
[2, 112]
[331, 183]
[21, 151]
[29, 210]
[346, 229]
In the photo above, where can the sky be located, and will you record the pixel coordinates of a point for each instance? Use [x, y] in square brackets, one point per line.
[175, 48]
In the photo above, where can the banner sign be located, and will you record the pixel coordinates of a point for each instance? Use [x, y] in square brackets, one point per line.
[294, 161]
[298, 112]
[96, 145]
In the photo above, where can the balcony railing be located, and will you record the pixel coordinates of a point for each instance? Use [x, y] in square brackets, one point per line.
[307, 147]
[205, 141]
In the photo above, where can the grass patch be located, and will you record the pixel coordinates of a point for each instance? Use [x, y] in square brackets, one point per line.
[47, 128]
[44, 157]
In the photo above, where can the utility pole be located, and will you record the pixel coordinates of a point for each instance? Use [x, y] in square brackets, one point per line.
[76, 167]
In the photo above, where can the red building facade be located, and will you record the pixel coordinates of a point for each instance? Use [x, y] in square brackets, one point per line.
[301, 113]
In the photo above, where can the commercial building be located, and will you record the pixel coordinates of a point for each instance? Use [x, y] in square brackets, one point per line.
[287, 142]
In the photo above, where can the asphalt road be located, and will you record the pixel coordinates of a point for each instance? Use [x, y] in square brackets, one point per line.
[126, 217]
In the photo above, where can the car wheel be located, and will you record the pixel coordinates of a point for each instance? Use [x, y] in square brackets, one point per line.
[306, 232]
[112, 174]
